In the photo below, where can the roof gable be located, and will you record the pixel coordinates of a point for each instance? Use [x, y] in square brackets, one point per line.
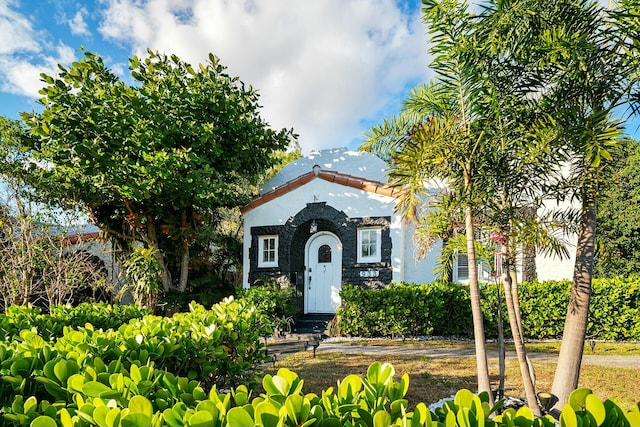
[361, 164]
[368, 185]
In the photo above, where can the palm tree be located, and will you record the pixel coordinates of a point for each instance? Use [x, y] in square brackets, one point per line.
[438, 137]
[480, 130]
[585, 65]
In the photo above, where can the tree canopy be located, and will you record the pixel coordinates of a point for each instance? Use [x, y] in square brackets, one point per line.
[150, 160]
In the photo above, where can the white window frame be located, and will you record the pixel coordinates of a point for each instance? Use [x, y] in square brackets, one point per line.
[457, 266]
[262, 263]
[377, 257]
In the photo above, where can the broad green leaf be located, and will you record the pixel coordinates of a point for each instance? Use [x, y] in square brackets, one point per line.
[30, 405]
[595, 407]
[201, 419]
[100, 416]
[266, 414]
[380, 374]
[65, 418]
[238, 417]
[568, 417]
[524, 417]
[135, 374]
[95, 388]
[141, 405]
[136, 420]
[382, 419]
[464, 417]
[577, 398]
[43, 421]
[209, 406]
[463, 398]
[349, 386]
[172, 418]
[421, 416]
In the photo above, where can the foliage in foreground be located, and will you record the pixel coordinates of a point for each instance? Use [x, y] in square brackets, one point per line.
[219, 346]
[111, 396]
[49, 326]
[444, 310]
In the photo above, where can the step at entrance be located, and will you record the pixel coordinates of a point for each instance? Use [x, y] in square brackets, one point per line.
[312, 324]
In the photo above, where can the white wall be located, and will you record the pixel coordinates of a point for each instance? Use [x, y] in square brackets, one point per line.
[355, 204]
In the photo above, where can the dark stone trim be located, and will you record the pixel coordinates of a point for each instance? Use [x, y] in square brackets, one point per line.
[294, 234]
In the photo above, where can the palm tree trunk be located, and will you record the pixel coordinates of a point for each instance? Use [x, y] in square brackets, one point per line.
[478, 324]
[575, 326]
[501, 346]
[516, 331]
[529, 268]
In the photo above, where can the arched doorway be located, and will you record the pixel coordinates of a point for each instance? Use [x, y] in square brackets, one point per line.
[323, 275]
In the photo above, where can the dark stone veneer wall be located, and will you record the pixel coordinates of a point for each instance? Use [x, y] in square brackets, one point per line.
[293, 235]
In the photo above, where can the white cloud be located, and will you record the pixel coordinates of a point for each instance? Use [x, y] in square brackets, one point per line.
[22, 76]
[16, 32]
[321, 67]
[78, 24]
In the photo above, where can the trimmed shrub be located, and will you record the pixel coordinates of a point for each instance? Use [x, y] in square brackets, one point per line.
[404, 310]
[408, 310]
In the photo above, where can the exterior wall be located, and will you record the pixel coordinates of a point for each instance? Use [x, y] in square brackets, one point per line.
[411, 267]
[340, 210]
[550, 267]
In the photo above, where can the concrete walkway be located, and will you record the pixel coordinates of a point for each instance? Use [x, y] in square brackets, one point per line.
[628, 362]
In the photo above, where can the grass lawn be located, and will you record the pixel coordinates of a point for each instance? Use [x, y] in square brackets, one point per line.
[600, 347]
[432, 379]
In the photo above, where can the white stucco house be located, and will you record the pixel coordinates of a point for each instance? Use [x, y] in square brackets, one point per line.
[327, 220]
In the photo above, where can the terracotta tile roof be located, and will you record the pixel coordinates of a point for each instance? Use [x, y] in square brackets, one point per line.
[81, 237]
[328, 175]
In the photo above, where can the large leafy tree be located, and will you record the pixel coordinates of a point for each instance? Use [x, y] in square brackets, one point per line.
[152, 161]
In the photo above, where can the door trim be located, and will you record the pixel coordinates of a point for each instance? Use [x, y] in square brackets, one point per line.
[307, 258]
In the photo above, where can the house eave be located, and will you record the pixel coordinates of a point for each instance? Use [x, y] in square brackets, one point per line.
[327, 175]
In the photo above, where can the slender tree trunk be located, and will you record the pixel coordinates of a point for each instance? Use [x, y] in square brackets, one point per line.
[478, 325]
[184, 262]
[501, 346]
[575, 326]
[529, 267]
[152, 233]
[521, 352]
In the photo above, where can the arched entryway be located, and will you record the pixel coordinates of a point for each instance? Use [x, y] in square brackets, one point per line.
[323, 275]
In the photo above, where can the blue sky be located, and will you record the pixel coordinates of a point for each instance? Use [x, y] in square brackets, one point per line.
[328, 68]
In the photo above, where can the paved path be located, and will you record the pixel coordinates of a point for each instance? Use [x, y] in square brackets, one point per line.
[629, 362]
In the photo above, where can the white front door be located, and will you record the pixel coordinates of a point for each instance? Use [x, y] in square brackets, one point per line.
[323, 279]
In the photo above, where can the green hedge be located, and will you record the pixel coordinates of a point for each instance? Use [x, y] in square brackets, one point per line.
[405, 310]
[278, 305]
[411, 310]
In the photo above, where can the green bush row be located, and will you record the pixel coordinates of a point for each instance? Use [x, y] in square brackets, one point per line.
[220, 346]
[100, 315]
[110, 396]
[445, 310]
[405, 310]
